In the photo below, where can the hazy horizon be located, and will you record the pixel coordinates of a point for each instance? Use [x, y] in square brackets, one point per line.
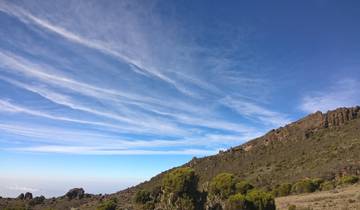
[106, 94]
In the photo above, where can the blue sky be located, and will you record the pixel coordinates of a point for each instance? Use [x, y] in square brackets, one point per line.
[106, 94]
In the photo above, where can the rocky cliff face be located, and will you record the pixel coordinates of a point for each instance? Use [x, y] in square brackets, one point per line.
[307, 126]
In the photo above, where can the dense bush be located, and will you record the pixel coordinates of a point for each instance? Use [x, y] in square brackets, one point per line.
[327, 185]
[317, 182]
[185, 203]
[180, 181]
[304, 186]
[37, 200]
[243, 187]
[108, 205]
[238, 202]
[349, 179]
[292, 207]
[282, 190]
[261, 200]
[142, 196]
[223, 185]
[148, 206]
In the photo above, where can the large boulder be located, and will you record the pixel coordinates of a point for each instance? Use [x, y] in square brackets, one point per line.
[28, 196]
[75, 193]
[21, 196]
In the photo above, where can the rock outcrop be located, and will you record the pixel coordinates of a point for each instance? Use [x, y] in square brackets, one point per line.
[28, 196]
[76, 193]
[21, 196]
[307, 126]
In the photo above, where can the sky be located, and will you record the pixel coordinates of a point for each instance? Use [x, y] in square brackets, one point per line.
[106, 94]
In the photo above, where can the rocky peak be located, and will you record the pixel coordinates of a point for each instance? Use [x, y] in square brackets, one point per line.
[308, 125]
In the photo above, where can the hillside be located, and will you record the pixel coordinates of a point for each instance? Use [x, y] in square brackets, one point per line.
[321, 145]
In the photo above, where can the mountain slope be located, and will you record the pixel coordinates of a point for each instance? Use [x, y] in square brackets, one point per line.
[319, 145]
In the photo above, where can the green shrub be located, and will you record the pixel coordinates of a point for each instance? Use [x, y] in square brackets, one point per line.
[108, 205]
[148, 206]
[185, 203]
[349, 179]
[238, 202]
[261, 200]
[282, 190]
[142, 196]
[243, 187]
[37, 200]
[180, 181]
[327, 185]
[317, 182]
[304, 186]
[292, 207]
[223, 185]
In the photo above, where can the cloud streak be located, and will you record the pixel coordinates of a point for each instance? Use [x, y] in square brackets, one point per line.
[342, 93]
[134, 86]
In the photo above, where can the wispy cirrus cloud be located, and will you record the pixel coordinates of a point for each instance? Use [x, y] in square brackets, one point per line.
[256, 112]
[342, 93]
[140, 82]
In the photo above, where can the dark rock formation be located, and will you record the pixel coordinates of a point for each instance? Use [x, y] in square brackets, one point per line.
[75, 193]
[307, 126]
[28, 196]
[21, 196]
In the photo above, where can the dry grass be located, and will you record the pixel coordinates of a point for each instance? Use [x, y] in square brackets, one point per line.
[347, 198]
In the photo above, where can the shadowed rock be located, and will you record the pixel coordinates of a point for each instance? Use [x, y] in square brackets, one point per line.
[75, 193]
[28, 196]
[21, 196]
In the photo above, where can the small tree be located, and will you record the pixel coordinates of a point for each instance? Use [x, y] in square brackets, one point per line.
[283, 190]
[223, 185]
[238, 202]
[243, 187]
[142, 196]
[180, 181]
[261, 200]
[304, 186]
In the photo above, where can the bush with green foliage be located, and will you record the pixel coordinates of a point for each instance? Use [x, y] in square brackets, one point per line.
[185, 203]
[348, 179]
[292, 207]
[243, 187]
[180, 189]
[150, 205]
[108, 205]
[223, 185]
[304, 186]
[261, 200]
[282, 190]
[142, 196]
[180, 181]
[327, 185]
[317, 182]
[238, 202]
[37, 200]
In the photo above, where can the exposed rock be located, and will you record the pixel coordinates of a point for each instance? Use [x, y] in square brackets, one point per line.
[21, 196]
[75, 193]
[308, 125]
[28, 196]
